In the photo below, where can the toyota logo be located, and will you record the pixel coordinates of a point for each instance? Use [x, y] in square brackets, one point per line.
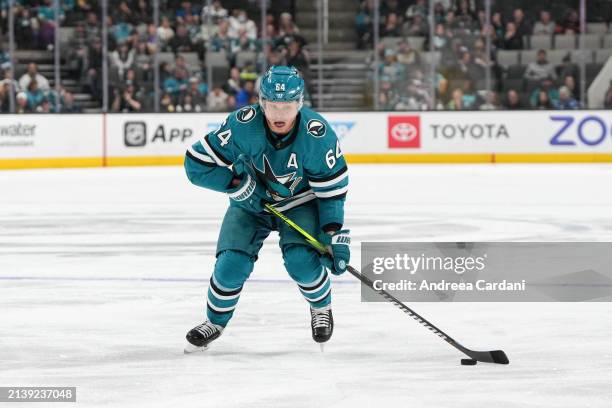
[404, 132]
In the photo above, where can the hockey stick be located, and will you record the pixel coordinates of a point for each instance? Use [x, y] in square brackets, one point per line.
[495, 356]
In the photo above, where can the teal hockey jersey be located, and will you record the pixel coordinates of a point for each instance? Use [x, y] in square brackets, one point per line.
[304, 165]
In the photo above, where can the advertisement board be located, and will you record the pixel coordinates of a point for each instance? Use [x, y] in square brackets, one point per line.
[51, 140]
[366, 137]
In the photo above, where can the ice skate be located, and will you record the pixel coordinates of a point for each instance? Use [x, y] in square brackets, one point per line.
[322, 323]
[201, 336]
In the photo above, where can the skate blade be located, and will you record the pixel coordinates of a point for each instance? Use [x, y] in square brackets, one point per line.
[191, 349]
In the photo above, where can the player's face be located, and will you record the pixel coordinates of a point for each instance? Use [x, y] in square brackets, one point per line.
[280, 115]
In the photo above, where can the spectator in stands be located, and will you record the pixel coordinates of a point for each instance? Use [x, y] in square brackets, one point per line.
[548, 86]
[124, 14]
[26, 27]
[22, 103]
[387, 96]
[232, 85]
[297, 57]
[566, 100]
[540, 69]
[77, 50]
[242, 42]
[46, 18]
[407, 55]
[243, 97]
[415, 27]
[481, 58]
[571, 23]
[150, 38]
[93, 27]
[608, 97]
[391, 68]
[68, 105]
[181, 42]
[391, 6]
[5, 103]
[390, 27]
[120, 31]
[166, 103]
[238, 21]
[186, 9]
[490, 101]
[456, 102]
[543, 101]
[186, 105]
[44, 106]
[197, 90]
[523, 27]
[571, 84]
[217, 100]
[216, 12]
[94, 69]
[363, 23]
[196, 34]
[465, 17]
[5, 59]
[420, 7]
[414, 97]
[442, 42]
[143, 63]
[33, 75]
[513, 100]
[176, 83]
[498, 27]
[35, 95]
[165, 33]
[568, 67]
[221, 40]
[125, 101]
[142, 12]
[511, 40]
[545, 25]
[467, 69]
[9, 82]
[286, 26]
[122, 59]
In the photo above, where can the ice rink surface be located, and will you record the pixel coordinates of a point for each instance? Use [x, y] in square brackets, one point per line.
[103, 271]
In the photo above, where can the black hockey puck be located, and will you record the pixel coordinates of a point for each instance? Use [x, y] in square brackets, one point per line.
[468, 361]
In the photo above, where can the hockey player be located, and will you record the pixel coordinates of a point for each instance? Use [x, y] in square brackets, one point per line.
[282, 153]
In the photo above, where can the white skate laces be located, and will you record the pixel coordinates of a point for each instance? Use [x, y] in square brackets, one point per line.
[320, 317]
[208, 329]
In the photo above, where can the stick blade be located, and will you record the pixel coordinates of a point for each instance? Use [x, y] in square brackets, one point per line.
[495, 356]
[499, 357]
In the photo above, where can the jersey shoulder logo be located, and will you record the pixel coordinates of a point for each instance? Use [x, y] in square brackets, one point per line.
[316, 128]
[246, 114]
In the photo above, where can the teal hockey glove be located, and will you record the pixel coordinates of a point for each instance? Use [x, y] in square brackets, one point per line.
[339, 243]
[248, 194]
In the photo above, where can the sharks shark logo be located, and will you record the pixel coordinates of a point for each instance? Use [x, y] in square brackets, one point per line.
[245, 115]
[316, 128]
[279, 186]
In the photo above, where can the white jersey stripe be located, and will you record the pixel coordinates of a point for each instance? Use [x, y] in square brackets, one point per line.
[221, 309]
[329, 183]
[319, 297]
[331, 193]
[211, 152]
[200, 156]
